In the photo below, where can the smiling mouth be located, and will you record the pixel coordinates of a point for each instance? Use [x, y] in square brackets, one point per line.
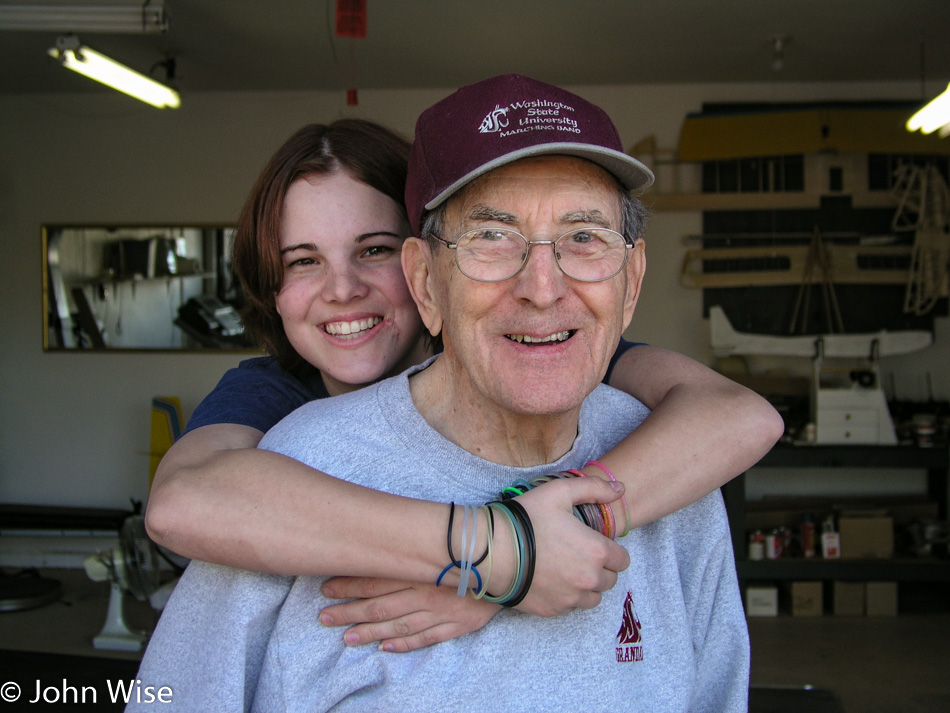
[555, 338]
[353, 329]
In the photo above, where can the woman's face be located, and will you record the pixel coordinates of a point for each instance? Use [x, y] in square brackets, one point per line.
[343, 301]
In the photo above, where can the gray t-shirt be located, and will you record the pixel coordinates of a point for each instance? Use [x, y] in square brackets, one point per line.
[670, 636]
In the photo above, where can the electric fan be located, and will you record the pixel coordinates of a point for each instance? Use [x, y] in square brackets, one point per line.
[133, 566]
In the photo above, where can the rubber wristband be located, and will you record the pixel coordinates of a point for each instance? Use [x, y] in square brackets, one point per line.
[623, 498]
[488, 553]
[478, 577]
[448, 540]
[518, 562]
[521, 514]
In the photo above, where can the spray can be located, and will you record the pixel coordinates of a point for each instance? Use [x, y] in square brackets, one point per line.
[757, 546]
[808, 535]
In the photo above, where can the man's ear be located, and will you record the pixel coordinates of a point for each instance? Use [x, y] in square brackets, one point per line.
[417, 266]
[636, 267]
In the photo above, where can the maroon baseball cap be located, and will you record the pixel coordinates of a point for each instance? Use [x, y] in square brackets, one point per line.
[496, 121]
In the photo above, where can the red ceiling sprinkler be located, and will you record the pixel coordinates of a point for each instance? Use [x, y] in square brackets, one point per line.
[351, 22]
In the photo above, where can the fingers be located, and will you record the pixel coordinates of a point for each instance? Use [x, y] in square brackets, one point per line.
[434, 635]
[617, 559]
[378, 608]
[361, 587]
[415, 631]
[590, 600]
[593, 490]
[408, 619]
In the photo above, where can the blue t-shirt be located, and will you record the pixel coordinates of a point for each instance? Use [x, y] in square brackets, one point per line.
[258, 393]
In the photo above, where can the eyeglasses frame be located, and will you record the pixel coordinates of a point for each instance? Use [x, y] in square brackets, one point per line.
[528, 243]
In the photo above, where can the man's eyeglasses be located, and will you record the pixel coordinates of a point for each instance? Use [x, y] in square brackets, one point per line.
[496, 254]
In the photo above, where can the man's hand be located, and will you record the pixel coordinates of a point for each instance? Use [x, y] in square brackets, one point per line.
[402, 616]
[574, 563]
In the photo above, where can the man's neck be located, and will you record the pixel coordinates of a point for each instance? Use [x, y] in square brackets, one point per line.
[497, 435]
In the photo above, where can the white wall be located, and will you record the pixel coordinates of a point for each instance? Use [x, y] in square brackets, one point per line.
[74, 427]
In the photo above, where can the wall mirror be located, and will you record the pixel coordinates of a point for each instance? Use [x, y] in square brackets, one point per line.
[140, 287]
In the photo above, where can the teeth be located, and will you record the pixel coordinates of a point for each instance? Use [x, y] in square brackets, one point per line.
[525, 339]
[349, 329]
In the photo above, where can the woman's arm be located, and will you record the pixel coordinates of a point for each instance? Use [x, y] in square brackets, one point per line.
[703, 431]
[217, 498]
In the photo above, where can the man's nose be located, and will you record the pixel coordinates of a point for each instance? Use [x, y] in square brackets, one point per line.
[342, 284]
[541, 280]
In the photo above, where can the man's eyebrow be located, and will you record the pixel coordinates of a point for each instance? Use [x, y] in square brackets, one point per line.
[587, 217]
[484, 212]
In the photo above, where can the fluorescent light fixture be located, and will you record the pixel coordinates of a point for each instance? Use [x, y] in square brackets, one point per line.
[131, 18]
[94, 65]
[933, 116]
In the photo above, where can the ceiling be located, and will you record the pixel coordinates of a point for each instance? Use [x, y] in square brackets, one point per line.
[261, 45]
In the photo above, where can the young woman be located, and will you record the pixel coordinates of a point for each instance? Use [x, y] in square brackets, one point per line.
[317, 252]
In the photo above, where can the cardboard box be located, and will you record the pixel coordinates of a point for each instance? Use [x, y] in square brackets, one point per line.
[848, 598]
[761, 601]
[866, 535]
[806, 598]
[881, 598]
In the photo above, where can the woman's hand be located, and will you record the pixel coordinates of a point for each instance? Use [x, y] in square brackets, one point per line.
[402, 616]
[574, 564]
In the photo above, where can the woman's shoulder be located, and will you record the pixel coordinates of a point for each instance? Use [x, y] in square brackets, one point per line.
[267, 370]
[259, 364]
[257, 393]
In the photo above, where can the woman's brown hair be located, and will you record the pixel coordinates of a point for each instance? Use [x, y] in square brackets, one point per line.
[369, 152]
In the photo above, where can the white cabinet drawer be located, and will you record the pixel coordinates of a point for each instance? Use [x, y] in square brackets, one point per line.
[843, 434]
[848, 417]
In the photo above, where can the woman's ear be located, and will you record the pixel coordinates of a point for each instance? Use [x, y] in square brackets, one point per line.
[417, 267]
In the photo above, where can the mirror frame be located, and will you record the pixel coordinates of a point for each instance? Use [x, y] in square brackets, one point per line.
[205, 297]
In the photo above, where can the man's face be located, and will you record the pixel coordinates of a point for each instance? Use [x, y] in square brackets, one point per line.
[537, 343]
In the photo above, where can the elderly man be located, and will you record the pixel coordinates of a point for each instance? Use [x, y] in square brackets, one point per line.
[529, 265]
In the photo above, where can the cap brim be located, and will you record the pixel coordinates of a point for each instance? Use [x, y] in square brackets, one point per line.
[633, 174]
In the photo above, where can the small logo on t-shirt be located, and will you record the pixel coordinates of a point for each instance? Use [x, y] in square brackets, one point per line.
[629, 638]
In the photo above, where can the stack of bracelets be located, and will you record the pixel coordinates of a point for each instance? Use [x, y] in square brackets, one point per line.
[599, 517]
